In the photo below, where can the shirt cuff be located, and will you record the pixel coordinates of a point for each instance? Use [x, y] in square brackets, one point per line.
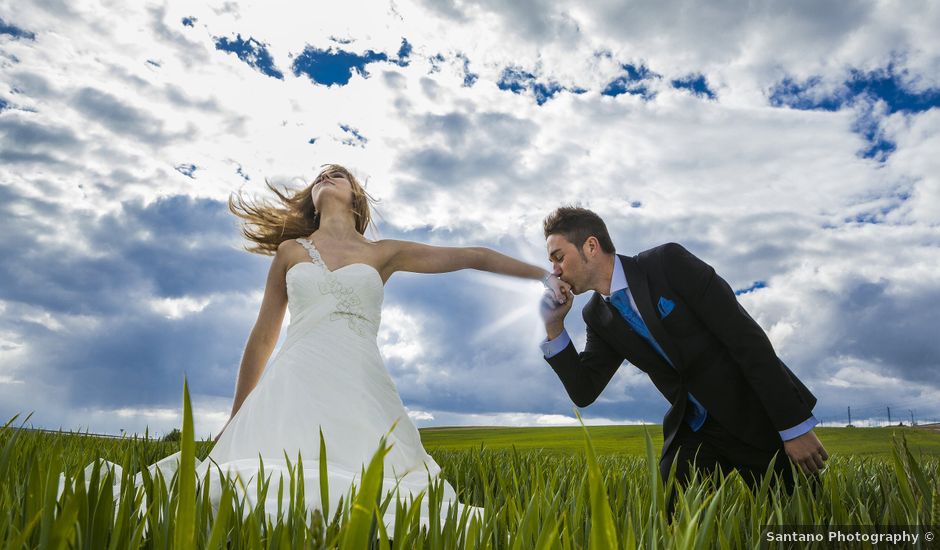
[799, 429]
[553, 347]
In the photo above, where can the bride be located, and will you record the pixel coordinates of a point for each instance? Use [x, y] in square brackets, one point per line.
[328, 375]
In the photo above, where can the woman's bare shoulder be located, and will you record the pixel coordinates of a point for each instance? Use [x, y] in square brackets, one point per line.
[389, 247]
[387, 243]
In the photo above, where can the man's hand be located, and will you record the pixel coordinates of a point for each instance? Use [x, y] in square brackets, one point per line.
[554, 313]
[807, 452]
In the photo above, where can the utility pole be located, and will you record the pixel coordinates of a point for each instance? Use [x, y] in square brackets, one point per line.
[850, 417]
[912, 417]
[889, 416]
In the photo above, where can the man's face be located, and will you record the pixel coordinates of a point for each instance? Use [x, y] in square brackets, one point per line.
[568, 263]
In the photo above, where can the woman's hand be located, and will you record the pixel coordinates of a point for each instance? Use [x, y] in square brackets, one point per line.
[560, 289]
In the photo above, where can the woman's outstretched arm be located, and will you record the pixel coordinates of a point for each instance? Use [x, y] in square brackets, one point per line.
[423, 258]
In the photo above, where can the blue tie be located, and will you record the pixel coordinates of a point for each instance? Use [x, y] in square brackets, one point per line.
[695, 416]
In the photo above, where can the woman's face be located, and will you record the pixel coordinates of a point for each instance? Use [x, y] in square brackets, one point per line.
[331, 182]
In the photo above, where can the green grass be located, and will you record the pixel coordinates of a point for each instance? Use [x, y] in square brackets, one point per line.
[558, 488]
[630, 440]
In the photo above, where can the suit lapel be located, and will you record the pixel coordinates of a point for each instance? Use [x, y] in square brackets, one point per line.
[638, 286]
[618, 333]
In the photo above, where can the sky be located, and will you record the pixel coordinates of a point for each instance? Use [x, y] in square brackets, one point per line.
[786, 144]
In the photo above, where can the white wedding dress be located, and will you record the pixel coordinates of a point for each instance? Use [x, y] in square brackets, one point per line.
[329, 376]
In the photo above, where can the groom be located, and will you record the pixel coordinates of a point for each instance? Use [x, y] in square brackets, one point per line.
[734, 402]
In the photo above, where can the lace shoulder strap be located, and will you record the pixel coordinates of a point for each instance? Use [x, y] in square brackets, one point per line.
[311, 250]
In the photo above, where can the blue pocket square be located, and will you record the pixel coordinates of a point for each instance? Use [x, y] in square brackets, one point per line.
[665, 307]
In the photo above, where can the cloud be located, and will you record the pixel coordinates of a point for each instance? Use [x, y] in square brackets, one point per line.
[355, 139]
[120, 117]
[30, 139]
[873, 94]
[791, 147]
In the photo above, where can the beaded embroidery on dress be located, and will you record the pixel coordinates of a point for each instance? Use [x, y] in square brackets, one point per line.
[328, 375]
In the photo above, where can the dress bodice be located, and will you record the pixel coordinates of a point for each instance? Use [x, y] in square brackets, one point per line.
[351, 294]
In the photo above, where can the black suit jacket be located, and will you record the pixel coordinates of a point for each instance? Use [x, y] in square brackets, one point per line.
[721, 355]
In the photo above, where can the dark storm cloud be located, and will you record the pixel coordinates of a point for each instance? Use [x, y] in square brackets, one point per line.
[895, 330]
[121, 118]
[140, 360]
[31, 84]
[472, 147]
[125, 353]
[190, 253]
[539, 20]
[178, 96]
[189, 52]
[25, 138]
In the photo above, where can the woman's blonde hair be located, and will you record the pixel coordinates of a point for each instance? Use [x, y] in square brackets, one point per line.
[267, 225]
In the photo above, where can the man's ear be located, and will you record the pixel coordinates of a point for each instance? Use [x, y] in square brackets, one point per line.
[591, 246]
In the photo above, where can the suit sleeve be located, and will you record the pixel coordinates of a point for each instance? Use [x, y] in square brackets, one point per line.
[586, 374]
[714, 302]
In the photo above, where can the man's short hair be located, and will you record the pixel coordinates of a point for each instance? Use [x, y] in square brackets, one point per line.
[577, 224]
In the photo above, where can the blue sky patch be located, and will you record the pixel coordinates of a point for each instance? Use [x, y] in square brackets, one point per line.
[634, 82]
[189, 21]
[311, 141]
[864, 89]
[877, 215]
[404, 52]
[469, 78]
[435, 61]
[878, 146]
[3, 104]
[154, 63]
[518, 81]
[888, 86]
[187, 170]
[331, 66]
[252, 52]
[515, 80]
[881, 85]
[355, 139]
[241, 172]
[696, 84]
[757, 285]
[543, 92]
[14, 31]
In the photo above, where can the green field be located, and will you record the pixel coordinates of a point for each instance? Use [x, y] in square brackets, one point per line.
[541, 488]
[629, 440]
